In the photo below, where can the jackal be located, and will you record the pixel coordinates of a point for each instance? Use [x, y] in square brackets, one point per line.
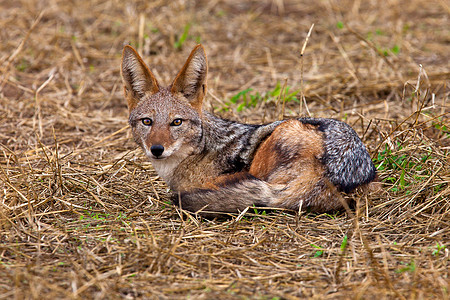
[217, 165]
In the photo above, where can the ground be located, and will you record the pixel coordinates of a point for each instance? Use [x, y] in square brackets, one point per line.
[83, 214]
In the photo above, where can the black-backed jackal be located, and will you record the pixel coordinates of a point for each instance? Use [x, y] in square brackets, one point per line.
[217, 165]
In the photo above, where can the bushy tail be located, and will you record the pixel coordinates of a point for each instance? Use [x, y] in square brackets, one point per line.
[346, 158]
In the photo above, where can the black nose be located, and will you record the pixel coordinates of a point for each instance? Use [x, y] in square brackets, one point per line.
[157, 150]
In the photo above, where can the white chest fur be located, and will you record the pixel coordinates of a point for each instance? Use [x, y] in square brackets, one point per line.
[166, 168]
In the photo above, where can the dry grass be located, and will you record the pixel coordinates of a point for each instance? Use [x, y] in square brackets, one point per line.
[83, 214]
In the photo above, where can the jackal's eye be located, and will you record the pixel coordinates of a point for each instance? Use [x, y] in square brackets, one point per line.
[176, 122]
[147, 121]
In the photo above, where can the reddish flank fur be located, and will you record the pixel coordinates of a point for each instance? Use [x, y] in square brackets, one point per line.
[290, 143]
[216, 165]
[290, 156]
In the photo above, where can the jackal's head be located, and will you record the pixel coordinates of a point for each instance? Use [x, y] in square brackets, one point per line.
[166, 121]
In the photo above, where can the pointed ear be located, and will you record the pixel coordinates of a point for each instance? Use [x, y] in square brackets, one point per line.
[191, 80]
[138, 80]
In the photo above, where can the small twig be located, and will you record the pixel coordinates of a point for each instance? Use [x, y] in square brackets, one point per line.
[302, 92]
[37, 112]
[141, 32]
[27, 35]
[351, 68]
